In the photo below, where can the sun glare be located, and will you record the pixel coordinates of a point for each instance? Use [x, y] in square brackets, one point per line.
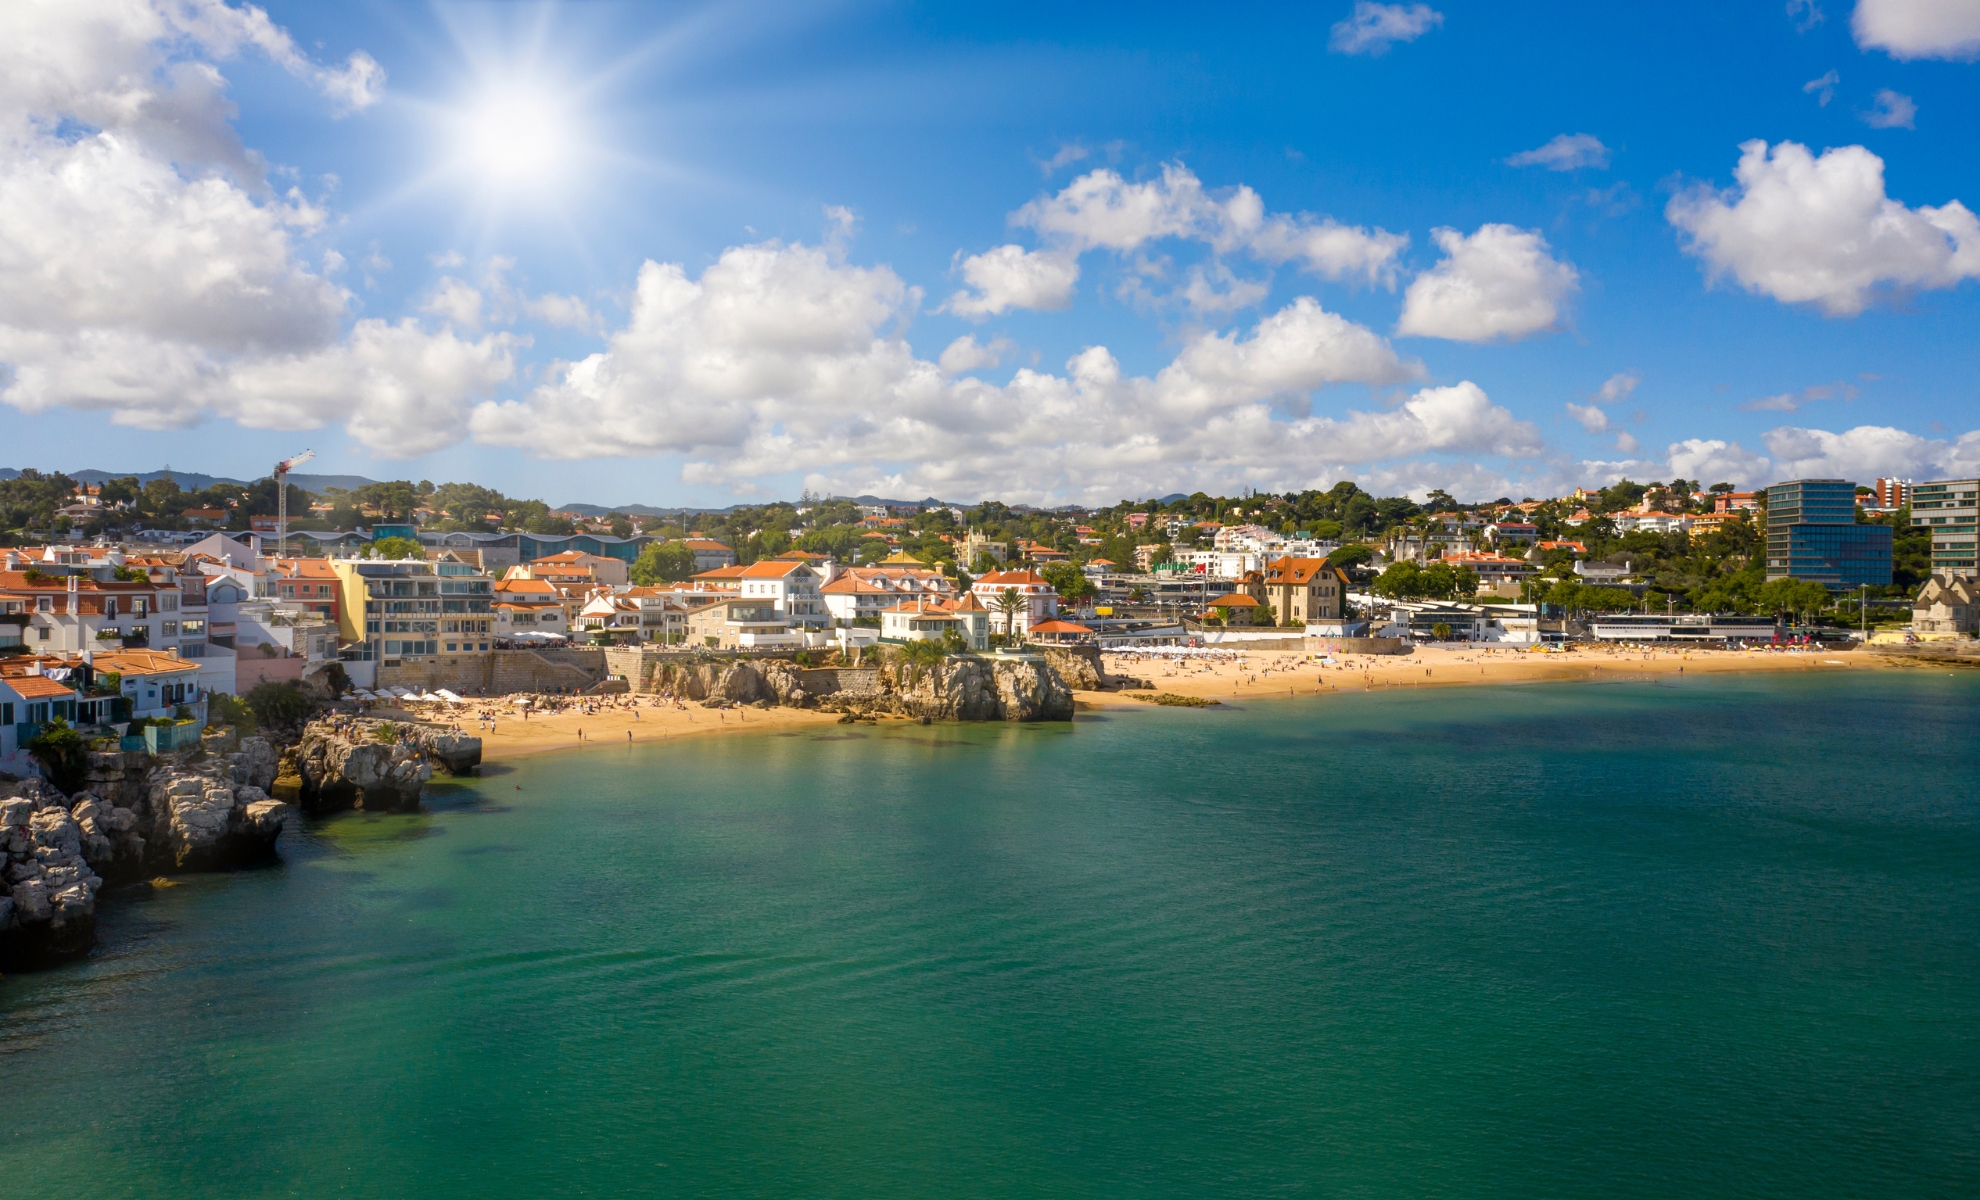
[517, 137]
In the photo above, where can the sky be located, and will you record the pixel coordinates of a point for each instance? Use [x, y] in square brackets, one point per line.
[717, 253]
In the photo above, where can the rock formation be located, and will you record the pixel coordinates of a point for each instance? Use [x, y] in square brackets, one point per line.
[202, 810]
[378, 766]
[961, 688]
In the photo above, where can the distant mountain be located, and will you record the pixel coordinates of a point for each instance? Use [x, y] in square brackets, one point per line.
[193, 481]
[647, 510]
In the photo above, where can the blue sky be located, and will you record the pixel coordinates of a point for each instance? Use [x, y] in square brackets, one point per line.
[674, 253]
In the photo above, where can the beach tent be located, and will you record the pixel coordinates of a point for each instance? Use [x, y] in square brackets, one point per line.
[449, 697]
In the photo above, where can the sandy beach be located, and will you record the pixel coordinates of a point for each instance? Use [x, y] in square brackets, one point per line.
[611, 721]
[603, 722]
[1269, 673]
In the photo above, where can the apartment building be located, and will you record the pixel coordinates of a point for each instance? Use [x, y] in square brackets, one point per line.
[1812, 534]
[411, 608]
[1950, 508]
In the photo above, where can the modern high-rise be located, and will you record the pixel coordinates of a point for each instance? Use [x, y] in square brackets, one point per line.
[1812, 534]
[1949, 508]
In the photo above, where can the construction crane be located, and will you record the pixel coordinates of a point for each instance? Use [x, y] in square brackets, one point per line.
[282, 470]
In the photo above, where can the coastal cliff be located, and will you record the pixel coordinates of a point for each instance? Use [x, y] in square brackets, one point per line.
[960, 688]
[207, 809]
[376, 766]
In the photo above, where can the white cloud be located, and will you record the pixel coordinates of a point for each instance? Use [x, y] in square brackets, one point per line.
[565, 312]
[1791, 401]
[1806, 14]
[146, 273]
[779, 359]
[967, 354]
[454, 301]
[1067, 155]
[1101, 210]
[1372, 28]
[1893, 110]
[1617, 387]
[1821, 230]
[1866, 452]
[1627, 443]
[1591, 416]
[1012, 277]
[1499, 282]
[1717, 461]
[1567, 152]
[1824, 88]
[1919, 28]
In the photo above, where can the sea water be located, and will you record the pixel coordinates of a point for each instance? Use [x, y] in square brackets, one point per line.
[1702, 936]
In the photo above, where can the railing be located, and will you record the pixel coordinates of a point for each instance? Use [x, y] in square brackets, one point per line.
[176, 736]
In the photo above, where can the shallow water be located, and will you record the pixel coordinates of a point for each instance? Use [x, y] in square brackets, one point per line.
[1713, 936]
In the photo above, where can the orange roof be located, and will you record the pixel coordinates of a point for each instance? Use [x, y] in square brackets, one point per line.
[1234, 600]
[1294, 570]
[306, 568]
[774, 568]
[853, 585]
[1022, 578]
[517, 589]
[143, 662]
[704, 544]
[970, 603]
[721, 573]
[1057, 626]
[37, 687]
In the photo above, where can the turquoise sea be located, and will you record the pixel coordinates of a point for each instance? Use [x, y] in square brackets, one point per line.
[1710, 937]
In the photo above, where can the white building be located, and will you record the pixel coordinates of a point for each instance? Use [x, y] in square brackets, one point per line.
[1041, 602]
[791, 586]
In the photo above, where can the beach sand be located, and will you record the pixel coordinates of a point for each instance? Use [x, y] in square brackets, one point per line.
[608, 726]
[1260, 675]
[1273, 673]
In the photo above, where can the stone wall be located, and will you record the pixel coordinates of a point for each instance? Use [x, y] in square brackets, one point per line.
[842, 681]
[500, 672]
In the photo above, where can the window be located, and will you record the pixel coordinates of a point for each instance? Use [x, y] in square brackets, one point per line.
[44, 604]
[168, 603]
[193, 628]
[169, 628]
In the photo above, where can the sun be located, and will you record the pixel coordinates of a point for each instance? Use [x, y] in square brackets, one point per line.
[522, 136]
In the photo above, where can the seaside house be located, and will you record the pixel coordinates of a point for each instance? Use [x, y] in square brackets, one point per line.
[792, 587]
[1948, 606]
[741, 624]
[390, 610]
[1040, 601]
[931, 618]
[710, 554]
[305, 583]
[69, 613]
[29, 700]
[1299, 590]
[1236, 608]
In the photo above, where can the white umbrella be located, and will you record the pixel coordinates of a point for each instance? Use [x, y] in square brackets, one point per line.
[449, 697]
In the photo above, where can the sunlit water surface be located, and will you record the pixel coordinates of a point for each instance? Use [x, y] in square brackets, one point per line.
[1705, 937]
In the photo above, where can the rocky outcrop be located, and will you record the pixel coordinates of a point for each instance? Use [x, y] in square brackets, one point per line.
[979, 689]
[961, 688]
[203, 810]
[770, 681]
[371, 765]
[1078, 666]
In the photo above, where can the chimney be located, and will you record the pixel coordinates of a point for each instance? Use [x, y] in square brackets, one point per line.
[74, 599]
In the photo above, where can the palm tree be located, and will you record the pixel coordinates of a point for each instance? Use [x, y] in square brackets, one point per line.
[1010, 604]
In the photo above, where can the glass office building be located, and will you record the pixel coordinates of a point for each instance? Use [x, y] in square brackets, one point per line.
[1950, 508]
[1812, 534]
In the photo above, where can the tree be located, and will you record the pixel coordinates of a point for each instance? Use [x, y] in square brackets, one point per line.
[622, 526]
[662, 562]
[1441, 632]
[62, 753]
[278, 703]
[395, 547]
[1069, 581]
[1352, 555]
[1009, 604]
